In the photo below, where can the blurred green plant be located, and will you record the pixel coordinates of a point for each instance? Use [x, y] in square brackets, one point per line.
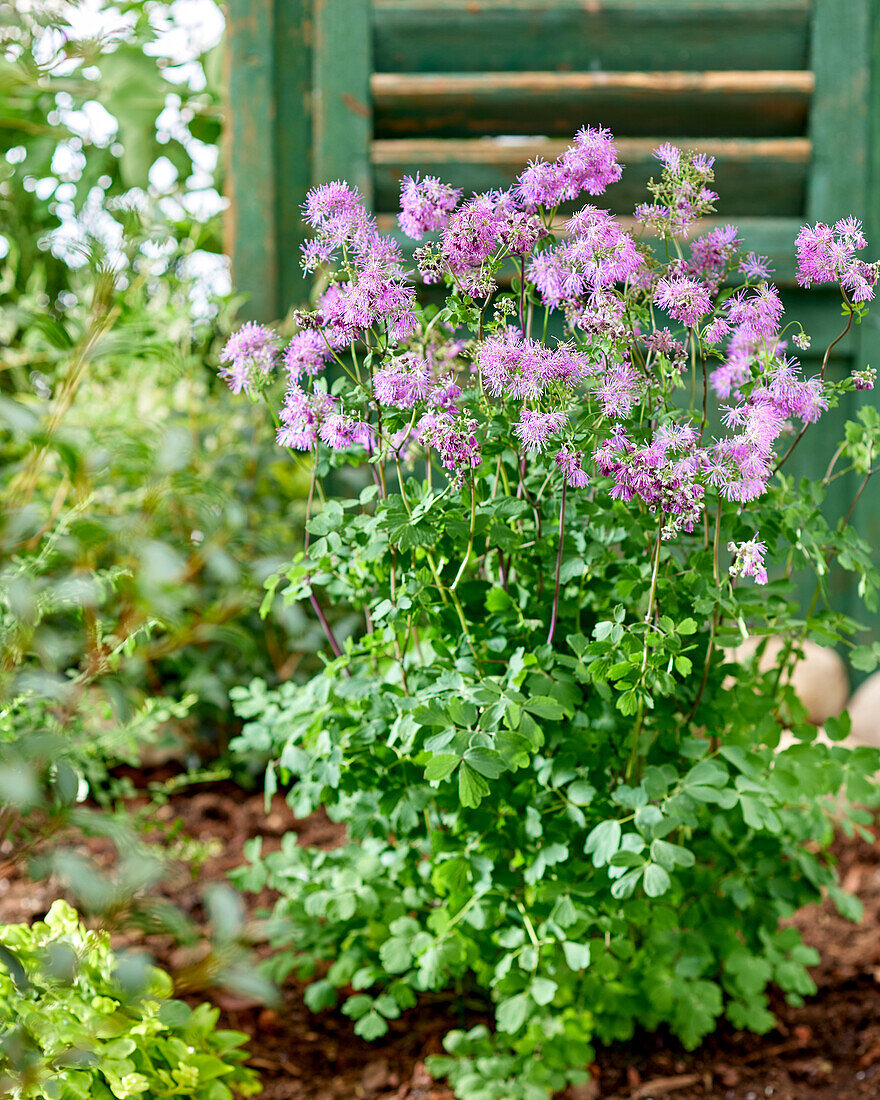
[141, 511]
[78, 1021]
[91, 100]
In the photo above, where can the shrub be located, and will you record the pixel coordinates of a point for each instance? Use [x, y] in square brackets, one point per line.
[78, 1023]
[565, 805]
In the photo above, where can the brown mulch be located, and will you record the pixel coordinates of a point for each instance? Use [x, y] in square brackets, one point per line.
[828, 1049]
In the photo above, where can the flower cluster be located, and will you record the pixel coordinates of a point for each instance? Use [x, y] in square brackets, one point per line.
[682, 194]
[425, 205]
[827, 254]
[306, 354]
[588, 166]
[372, 289]
[248, 355]
[302, 416]
[663, 474]
[597, 255]
[748, 559]
[428, 388]
[513, 366]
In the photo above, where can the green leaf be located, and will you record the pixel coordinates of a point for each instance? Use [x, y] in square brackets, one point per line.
[357, 1006]
[544, 707]
[543, 990]
[577, 955]
[319, 995]
[848, 905]
[864, 657]
[657, 881]
[441, 766]
[371, 1026]
[603, 842]
[510, 1015]
[328, 519]
[671, 855]
[486, 761]
[395, 954]
[687, 626]
[472, 787]
[581, 793]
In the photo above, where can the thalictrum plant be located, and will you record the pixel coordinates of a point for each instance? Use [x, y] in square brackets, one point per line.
[571, 496]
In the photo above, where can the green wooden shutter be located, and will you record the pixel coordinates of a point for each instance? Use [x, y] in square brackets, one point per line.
[782, 92]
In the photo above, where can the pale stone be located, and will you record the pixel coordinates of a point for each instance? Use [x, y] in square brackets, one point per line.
[864, 710]
[819, 679]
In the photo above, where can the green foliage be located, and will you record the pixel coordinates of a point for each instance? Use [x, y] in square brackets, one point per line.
[78, 1021]
[53, 73]
[576, 906]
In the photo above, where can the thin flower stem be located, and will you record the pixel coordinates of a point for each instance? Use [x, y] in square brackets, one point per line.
[464, 626]
[801, 433]
[640, 717]
[313, 599]
[861, 489]
[716, 619]
[470, 545]
[555, 611]
[705, 395]
[827, 478]
[522, 294]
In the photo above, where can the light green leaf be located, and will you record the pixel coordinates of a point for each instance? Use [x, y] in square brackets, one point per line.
[577, 955]
[603, 842]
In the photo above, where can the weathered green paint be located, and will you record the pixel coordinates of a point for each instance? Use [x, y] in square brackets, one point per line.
[252, 153]
[269, 138]
[698, 105]
[294, 40]
[845, 129]
[500, 35]
[343, 110]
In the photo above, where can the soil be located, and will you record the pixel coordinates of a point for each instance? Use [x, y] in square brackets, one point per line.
[828, 1049]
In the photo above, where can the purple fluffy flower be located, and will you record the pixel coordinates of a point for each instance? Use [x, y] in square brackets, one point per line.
[757, 311]
[455, 441]
[711, 255]
[403, 384]
[378, 294]
[669, 156]
[684, 299]
[248, 353]
[340, 432]
[749, 559]
[306, 353]
[591, 162]
[588, 165]
[754, 266]
[542, 183]
[302, 416]
[569, 462]
[337, 212]
[598, 254]
[715, 331]
[619, 390]
[534, 428]
[425, 205]
[828, 254]
[682, 195]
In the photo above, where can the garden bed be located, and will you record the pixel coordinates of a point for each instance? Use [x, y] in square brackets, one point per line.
[829, 1049]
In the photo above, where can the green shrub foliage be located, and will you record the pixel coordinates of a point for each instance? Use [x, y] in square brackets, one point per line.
[78, 1022]
[568, 810]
